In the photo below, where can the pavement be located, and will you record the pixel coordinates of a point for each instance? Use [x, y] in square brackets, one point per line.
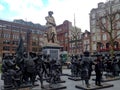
[71, 84]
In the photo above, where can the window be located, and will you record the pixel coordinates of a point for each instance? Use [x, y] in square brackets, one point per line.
[93, 15]
[34, 44]
[98, 37]
[104, 37]
[39, 32]
[117, 16]
[1, 27]
[93, 22]
[6, 27]
[23, 30]
[6, 42]
[93, 38]
[114, 8]
[59, 30]
[94, 47]
[14, 48]
[66, 34]
[86, 42]
[15, 36]
[93, 30]
[101, 13]
[15, 42]
[103, 20]
[98, 30]
[6, 48]
[23, 37]
[86, 35]
[15, 29]
[35, 38]
[6, 35]
[118, 25]
[88, 47]
[34, 31]
[118, 33]
[34, 49]
[66, 40]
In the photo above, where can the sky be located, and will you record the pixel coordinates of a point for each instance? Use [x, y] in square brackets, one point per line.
[37, 10]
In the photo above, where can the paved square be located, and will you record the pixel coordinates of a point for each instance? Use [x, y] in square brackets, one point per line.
[71, 84]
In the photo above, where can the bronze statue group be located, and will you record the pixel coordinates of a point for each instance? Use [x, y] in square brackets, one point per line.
[17, 71]
[83, 65]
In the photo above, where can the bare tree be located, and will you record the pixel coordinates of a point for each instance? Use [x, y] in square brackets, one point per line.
[109, 26]
[75, 35]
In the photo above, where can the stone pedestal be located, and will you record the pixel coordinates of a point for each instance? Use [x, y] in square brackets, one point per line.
[109, 79]
[74, 78]
[93, 86]
[53, 50]
[54, 87]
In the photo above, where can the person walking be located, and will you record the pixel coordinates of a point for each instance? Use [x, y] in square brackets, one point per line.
[86, 68]
[98, 70]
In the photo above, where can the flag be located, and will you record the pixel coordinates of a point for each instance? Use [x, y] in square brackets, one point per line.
[20, 48]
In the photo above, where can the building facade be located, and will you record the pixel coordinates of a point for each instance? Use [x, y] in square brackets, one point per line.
[100, 37]
[69, 37]
[63, 31]
[86, 38]
[10, 33]
[76, 41]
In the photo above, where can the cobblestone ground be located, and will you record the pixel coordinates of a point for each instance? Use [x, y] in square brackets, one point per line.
[71, 84]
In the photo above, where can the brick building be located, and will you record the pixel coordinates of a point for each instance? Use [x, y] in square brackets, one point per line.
[32, 35]
[86, 39]
[100, 40]
[65, 33]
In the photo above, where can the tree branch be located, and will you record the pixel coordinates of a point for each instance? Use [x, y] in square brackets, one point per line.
[116, 36]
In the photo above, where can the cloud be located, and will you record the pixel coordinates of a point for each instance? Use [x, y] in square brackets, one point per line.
[36, 10]
[21, 5]
[1, 7]
[24, 9]
[65, 9]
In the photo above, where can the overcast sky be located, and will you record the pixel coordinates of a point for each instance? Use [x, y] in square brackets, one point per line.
[37, 10]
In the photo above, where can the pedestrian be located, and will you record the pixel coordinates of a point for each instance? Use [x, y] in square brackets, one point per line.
[86, 68]
[98, 70]
[115, 66]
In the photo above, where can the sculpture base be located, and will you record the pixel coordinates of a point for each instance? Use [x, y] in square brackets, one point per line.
[25, 89]
[109, 79]
[54, 87]
[53, 50]
[94, 87]
[61, 81]
[22, 87]
[66, 75]
[75, 78]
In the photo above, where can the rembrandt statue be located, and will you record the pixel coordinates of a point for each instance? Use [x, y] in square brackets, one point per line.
[51, 26]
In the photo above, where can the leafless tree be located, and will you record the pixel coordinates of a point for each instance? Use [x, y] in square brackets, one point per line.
[110, 25]
[75, 35]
